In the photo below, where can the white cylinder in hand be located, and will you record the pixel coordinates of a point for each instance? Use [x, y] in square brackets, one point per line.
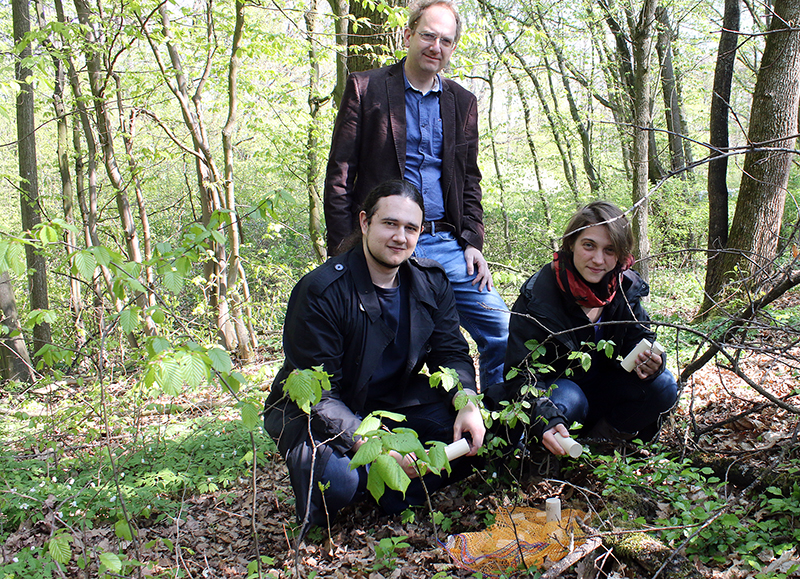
[629, 363]
[570, 445]
[456, 449]
[552, 508]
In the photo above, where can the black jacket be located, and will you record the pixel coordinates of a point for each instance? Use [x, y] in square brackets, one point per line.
[543, 313]
[334, 320]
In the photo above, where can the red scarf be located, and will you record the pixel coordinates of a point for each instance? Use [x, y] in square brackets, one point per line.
[577, 289]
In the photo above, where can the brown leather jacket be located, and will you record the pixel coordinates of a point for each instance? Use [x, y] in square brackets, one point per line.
[368, 147]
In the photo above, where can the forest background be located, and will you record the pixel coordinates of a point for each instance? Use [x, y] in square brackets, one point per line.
[162, 171]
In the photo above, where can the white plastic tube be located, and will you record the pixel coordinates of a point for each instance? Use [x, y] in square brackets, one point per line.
[629, 363]
[456, 449]
[552, 509]
[570, 445]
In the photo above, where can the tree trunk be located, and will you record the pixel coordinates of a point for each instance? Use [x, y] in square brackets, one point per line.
[641, 37]
[584, 128]
[29, 182]
[67, 190]
[244, 335]
[669, 91]
[756, 224]
[15, 362]
[718, 138]
[340, 10]
[106, 138]
[369, 42]
[312, 169]
[496, 159]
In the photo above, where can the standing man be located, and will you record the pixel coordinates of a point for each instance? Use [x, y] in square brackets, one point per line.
[372, 318]
[408, 122]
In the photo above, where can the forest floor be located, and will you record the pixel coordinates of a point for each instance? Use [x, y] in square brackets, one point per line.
[212, 536]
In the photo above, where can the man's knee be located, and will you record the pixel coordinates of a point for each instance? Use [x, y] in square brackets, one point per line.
[663, 392]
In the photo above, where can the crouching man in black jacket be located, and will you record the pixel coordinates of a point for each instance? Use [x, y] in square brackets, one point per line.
[372, 318]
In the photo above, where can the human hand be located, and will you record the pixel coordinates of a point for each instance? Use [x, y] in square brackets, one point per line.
[549, 440]
[469, 419]
[407, 463]
[647, 364]
[476, 264]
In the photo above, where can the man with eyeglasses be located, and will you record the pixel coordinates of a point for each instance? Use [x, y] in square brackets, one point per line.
[406, 121]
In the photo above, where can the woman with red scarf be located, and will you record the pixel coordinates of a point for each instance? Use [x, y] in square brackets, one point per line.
[585, 306]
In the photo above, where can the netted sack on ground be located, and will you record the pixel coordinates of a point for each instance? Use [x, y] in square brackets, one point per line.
[520, 537]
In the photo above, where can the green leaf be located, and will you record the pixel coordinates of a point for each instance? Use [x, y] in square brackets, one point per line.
[101, 254]
[173, 280]
[168, 377]
[370, 424]
[220, 359]
[111, 562]
[84, 264]
[15, 258]
[367, 452]
[404, 441]
[59, 548]
[250, 416]
[193, 370]
[391, 473]
[129, 319]
[305, 387]
[123, 530]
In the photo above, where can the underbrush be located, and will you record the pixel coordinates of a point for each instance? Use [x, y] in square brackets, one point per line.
[692, 509]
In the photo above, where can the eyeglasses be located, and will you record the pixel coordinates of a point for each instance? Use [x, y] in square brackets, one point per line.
[431, 38]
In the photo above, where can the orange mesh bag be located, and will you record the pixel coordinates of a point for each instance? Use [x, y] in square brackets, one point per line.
[520, 537]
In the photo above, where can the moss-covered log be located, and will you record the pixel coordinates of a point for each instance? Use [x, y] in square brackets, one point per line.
[651, 554]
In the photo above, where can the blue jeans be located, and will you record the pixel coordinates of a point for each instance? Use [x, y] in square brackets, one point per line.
[488, 327]
[628, 404]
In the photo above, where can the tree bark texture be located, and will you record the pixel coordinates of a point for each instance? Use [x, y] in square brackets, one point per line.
[15, 362]
[641, 36]
[369, 41]
[245, 337]
[340, 10]
[29, 183]
[67, 189]
[755, 230]
[669, 91]
[315, 231]
[98, 85]
[718, 128]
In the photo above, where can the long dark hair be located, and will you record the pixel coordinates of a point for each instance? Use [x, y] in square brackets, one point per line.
[386, 189]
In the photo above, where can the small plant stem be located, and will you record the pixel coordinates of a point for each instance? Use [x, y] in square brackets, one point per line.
[253, 505]
[115, 472]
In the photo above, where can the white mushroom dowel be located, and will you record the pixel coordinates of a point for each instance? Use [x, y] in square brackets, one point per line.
[456, 449]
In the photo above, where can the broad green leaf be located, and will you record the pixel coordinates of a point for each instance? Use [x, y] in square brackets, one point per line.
[173, 280]
[193, 370]
[129, 319]
[157, 345]
[367, 452]
[369, 424]
[59, 548]
[15, 258]
[47, 234]
[123, 530]
[111, 562]
[303, 388]
[404, 441]
[220, 360]
[84, 264]
[391, 473]
[101, 254]
[250, 416]
[168, 377]
[3, 250]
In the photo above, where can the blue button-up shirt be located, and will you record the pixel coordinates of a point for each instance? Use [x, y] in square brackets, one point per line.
[424, 137]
